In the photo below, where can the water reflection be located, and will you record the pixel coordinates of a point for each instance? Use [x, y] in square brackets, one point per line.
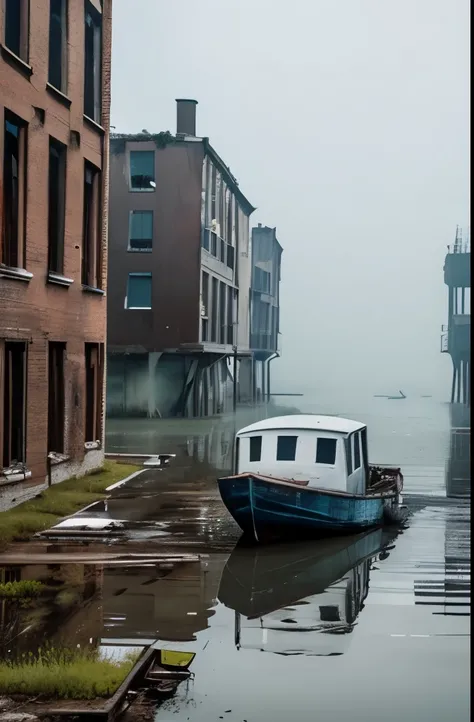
[319, 589]
[458, 468]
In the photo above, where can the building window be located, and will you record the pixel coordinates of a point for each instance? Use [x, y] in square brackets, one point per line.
[222, 314]
[139, 290]
[57, 205]
[14, 191]
[142, 170]
[357, 464]
[94, 384]
[204, 306]
[57, 71]
[14, 403]
[92, 62]
[326, 451]
[286, 448]
[230, 256]
[56, 401]
[17, 22]
[255, 448]
[230, 315]
[141, 231]
[262, 280]
[214, 309]
[92, 228]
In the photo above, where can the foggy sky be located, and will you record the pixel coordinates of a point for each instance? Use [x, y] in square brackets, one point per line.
[346, 123]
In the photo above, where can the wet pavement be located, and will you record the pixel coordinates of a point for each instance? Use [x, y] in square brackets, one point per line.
[362, 628]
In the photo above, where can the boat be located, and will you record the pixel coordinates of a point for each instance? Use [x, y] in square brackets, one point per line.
[307, 475]
[318, 588]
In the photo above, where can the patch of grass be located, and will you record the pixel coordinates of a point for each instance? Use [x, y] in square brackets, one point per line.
[19, 523]
[64, 674]
[21, 590]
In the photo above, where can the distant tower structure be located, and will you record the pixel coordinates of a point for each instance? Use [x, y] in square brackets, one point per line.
[456, 336]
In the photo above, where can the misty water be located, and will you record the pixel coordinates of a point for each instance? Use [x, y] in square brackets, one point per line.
[362, 627]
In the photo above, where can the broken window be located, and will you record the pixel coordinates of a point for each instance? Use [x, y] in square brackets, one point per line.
[94, 353]
[141, 231]
[14, 402]
[92, 62]
[92, 229]
[14, 191]
[142, 170]
[57, 202]
[56, 400]
[139, 290]
[57, 71]
[17, 21]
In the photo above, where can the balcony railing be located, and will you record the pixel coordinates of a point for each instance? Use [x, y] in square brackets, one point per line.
[218, 247]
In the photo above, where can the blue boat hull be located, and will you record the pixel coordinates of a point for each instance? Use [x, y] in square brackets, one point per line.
[265, 510]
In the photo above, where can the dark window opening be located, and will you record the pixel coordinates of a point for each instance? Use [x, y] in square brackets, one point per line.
[141, 231]
[213, 192]
[255, 448]
[230, 256]
[222, 250]
[14, 403]
[57, 72]
[230, 315]
[17, 23]
[94, 384]
[142, 170]
[92, 229]
[286, 448]
[348, 447]
[329, 613]
[262, 280]
[222, 314]
[56, 399]
[139, 291]
[213, 244]
[204, 306]
[214, 309]
[356, 451]
[14, 191]
[57, 205]
[92, 62]
[326, 451]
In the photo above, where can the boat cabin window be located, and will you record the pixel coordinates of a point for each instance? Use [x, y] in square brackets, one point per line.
[286, 448]
[348, 445]
[356, 438]
[326, 451]
[255, 448]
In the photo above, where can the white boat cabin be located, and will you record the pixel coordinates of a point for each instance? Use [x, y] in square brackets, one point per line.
[327, 451]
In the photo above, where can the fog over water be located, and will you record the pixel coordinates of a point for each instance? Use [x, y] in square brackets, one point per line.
[347, 126]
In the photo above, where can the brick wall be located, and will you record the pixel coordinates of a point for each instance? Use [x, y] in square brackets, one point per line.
[37, 311]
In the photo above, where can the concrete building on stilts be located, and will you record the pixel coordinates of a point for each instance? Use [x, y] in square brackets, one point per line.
[456, 336]
[264, 315]
[179, 275]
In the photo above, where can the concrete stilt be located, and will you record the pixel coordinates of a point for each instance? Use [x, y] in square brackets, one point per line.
[153, 358]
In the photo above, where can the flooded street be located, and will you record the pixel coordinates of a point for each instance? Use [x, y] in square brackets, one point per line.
[362, 628]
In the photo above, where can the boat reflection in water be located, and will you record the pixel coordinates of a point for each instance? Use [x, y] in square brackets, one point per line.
[300, 598]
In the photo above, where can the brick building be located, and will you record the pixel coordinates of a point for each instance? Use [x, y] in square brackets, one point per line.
[180, 275]
[54, 120]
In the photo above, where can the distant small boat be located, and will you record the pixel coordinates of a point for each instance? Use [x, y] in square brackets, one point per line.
[308, 475]
[401, 395]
